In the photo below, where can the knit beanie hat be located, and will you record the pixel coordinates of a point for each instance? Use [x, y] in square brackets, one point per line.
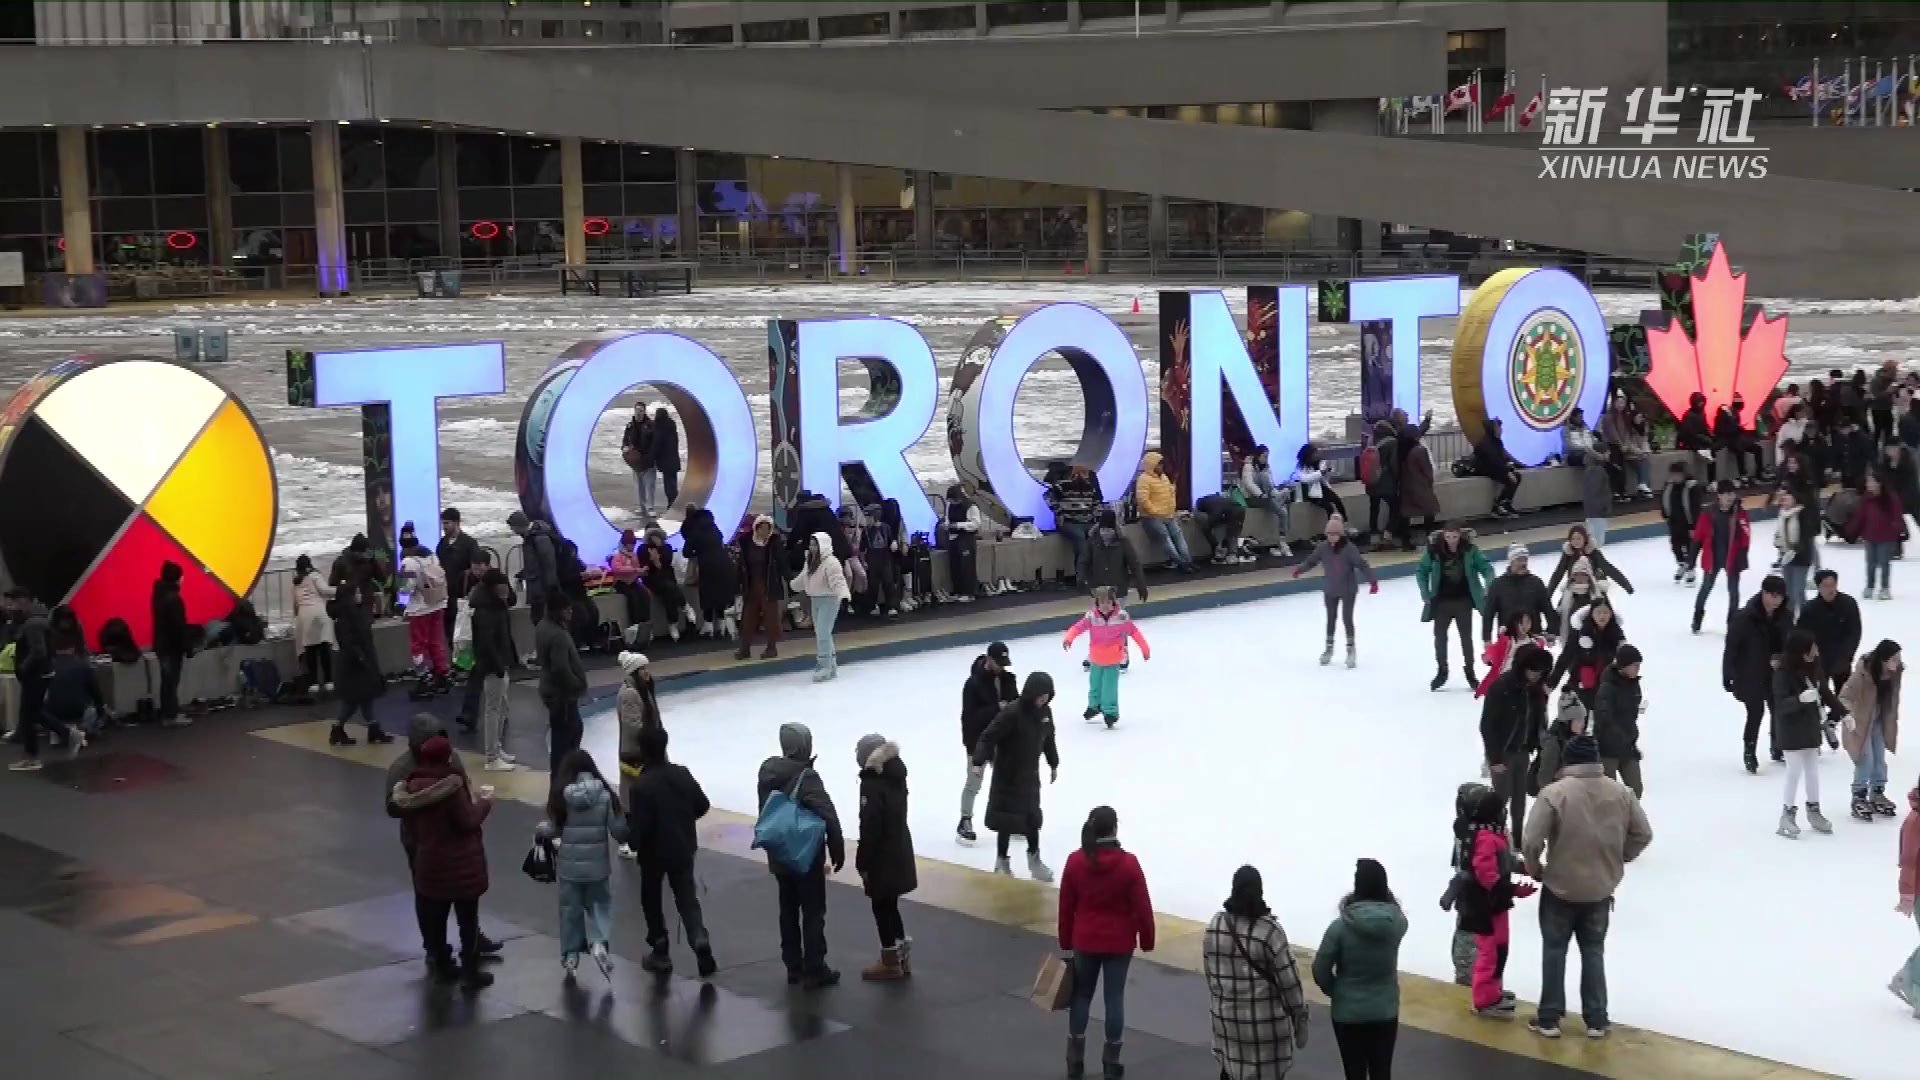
[1516, 553]
[1581, 750]
[864, 749]
[1626, 656]
[631, 662]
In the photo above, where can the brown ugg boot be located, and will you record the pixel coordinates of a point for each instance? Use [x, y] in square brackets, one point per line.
[885, 969]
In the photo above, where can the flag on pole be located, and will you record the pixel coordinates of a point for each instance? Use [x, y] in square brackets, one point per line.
[1462, 96]
[1532, 110]
[1501, 104]
[1801, 90]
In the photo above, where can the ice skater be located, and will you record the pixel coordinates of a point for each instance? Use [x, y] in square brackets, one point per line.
[1485, 898]
[1681, 502]
[1500, 651]
[1878, 524]
[1796, 718]
[1721, 534]
[1339, 581]
[1108, 627]
[1464, 801]
[1871, 701]
[990, 687]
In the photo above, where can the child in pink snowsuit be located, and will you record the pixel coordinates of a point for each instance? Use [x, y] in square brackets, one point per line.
[1107, 626]
[1484, 901]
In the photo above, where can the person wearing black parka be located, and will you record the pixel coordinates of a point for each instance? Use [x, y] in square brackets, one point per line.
[1015, 741]
[885, 855]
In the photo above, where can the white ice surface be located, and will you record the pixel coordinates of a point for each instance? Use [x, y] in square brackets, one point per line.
[1235, 747]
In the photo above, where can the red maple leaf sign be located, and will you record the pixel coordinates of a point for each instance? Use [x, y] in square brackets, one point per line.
[1721, 363]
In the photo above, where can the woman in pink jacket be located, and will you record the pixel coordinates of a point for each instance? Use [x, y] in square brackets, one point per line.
[1906, 981]
[1107, 626]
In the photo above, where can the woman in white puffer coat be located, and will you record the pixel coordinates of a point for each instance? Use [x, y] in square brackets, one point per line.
[824, 581]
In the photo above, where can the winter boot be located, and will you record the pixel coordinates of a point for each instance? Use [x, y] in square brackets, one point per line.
[339, 737]
[1003, 865]
[441, 968]
[471, 977]
[1037, 870]
[771, 652]
[1881, 804]
[1473, 680]
[1110, 1067]
[1778, 757]
[744, 652]
[1817, 819]
[703, 961]
[1076, 1056]
[376, 736]
[1789, 828]
[658, 960]
[1326, 654]
[1353, 659]
[1752, 759]
[964, 833]
[1861, 809]
[1699, 616]
[1439, 678]
[885, 969]
[906, 956]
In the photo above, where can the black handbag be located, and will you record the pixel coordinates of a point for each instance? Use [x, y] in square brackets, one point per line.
[539, 863]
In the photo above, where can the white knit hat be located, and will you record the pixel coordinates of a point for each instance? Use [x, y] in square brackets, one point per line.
[1516, 552]
[631, 662]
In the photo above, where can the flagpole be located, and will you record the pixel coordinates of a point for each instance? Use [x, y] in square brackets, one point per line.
[1816, 92]
[1513, 87]
[1879, 72]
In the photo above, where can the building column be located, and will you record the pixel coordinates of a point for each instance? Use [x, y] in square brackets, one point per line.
[688, 202]
[1157, 227]
[573, 202]
[923, 211]
[219, 199]
[329, 219]
[446, 160]
[76, 198]
[1096, 231]
[849, 219]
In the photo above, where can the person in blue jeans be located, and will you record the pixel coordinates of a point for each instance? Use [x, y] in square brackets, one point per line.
[1871, 728]
[1105, 913]
[824, 582]
[583, 813]
[1153, 497]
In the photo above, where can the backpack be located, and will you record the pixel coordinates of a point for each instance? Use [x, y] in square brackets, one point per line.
[431, 582]
[788, 832]
[260, 679]
[1369, 466]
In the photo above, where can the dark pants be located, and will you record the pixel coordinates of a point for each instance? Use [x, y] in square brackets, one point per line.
[669, 486]
[639, 602]
[1366, 1049]
[803, 920]
[1328, 502]
[470, 696]
[1343, 603]
[1752, 732]
[886, 920]
[433, 926]
[671, 597]
[1740, 448]
[1511, 784]
[1459, 614]
[686, 899]
[760, 615]
[1383, 522]
[963, 549]
[1560, 922]
[564, 729]
[1222, 532]
[170, 665]
[452, 613]
[1509, 487]
[1108, 972]
[1075, 534]
[884, 572]
[317, 661]
[33, 713]
[1680, 542]
[1003, 842]
[1706, 590]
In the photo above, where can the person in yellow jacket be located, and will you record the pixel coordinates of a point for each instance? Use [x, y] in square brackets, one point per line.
[1153, 495]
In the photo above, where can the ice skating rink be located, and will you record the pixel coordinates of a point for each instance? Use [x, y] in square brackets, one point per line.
[1236, 747]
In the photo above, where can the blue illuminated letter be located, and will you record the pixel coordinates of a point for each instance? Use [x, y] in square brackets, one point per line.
[410, 382]
[1115, 437]
[722, 455]
[1218, 352]
[879, 444]
[1404, 302]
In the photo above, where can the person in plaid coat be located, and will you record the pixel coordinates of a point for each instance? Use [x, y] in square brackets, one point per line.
[1259, 1014]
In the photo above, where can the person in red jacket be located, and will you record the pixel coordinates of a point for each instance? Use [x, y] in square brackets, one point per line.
[1877, 522]
[1104, 915]
[1906, 981]
[449, 856]
[1721, 534]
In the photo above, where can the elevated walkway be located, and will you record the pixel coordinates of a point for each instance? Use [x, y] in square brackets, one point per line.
[1795, 236]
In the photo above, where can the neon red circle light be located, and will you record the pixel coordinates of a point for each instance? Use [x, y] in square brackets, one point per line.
[597, 226]
[484, 230]
[182, 241]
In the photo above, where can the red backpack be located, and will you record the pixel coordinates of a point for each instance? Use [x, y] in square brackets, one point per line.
[1369, 465]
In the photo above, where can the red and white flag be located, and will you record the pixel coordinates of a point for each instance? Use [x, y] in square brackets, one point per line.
[1462, 96]
[1501, 104]
[1532, 112]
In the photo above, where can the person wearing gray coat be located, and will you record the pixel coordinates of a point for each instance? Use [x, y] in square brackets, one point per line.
[803, 897]
[1596, 491]
[1341, 568]
[583, 814]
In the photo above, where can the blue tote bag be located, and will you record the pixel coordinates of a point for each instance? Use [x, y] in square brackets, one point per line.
[789, 833]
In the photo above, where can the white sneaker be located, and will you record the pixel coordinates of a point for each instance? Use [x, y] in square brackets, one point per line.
[508, 758]
[1886, 593]
[1597, 1032]
[178, 721]
[674, 631]
[76, 741]
[627, 852]
[605, 961]
[25, 765]
[495, 764]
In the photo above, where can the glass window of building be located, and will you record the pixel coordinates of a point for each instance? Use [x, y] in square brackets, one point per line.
[483, 159]
[468, 30]
[633, 33]
[590, 28]
[122, 163]
[549, 28]
[411, 158]
[179, 162]
[1122, 9]
[778, 30]
[938, 20]
[426, 29]
[516, 28]
[864, 24]
[1025, 13]
[1198, 7]
[707, 35]
[535, 161]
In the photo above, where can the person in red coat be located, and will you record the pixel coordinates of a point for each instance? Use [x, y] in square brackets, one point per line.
[1878, 523]
[449, 858]
[1721, 534]
[1104, 915]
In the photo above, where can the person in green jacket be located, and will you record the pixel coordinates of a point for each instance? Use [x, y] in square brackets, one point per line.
[1357, 967]
[1453, 576]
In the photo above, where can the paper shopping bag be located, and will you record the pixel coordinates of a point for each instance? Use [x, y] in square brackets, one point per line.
[1053, 986]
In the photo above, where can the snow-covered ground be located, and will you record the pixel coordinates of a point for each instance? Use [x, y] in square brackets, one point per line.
[1237, 747]
[317, 452]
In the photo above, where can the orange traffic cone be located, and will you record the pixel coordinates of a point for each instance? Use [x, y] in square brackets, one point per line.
[1136, 305]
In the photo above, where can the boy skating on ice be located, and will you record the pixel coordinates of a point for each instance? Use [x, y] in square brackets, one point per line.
[1342, 568]
[1680, 504]
[1486, 895]
[1107, 626]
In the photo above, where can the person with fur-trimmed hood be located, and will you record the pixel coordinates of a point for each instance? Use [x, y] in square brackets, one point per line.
[1519, 632]
[763, 587]
[1594, 634]
[990, 687]
[1108, 628]
[1466, 798]
[705, 547]
[1344, 566]
[1518, 589]
[1579, 546]
[884, 858]
[1582, 587]
[1485, 899]
[1453, 576]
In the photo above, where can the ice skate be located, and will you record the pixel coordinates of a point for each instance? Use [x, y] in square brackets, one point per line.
[1003, 865]
[1353, 660]
[1112, 719]
[1699, 614]
[1092, 714]
[964, 832]
[1817, 819]
[1693, 577]
[1861, 808]
[1439, 679]
[1881, 804]
[1679, 571]
[1037, 870]
[1788, 827]
[1326, 654]
[1898, 986]
[1833, 734]
[1886, 593]
[1473, 680]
